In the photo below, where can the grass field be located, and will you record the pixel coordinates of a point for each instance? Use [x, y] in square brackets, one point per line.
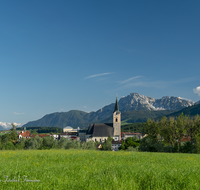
[79, 169]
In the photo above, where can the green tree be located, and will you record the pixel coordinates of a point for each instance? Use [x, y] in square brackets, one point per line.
[13, 134]
[106, 145]
[167, 130]
[152, 129]
[131, 142]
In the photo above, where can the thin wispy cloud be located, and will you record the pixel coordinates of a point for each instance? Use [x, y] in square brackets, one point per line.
[128, 80]
[156, 84]
[16, 113]
[97, 75]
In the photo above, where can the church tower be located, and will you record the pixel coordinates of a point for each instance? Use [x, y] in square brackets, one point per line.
[117, 122]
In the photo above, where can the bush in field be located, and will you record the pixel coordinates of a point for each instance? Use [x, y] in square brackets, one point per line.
[90, 145]
[148, 144]
[9, 146]
[132, 142]
[73, 144]
[34, 143]
[130, 148]
[187, 147]
[48, 142]
[21, 144]
[107, 144]
[62, 143]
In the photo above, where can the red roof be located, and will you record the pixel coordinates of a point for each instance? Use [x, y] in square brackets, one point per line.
[25, 134]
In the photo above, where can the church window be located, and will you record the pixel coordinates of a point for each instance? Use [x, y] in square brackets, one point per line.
[95, 140]
[116, 120]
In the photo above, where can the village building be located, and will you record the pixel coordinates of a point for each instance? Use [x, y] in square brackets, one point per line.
[126, 135]
[82, 135]
[55, 136]
[70, 129]
[101, 131]
[70, 135]
[24, 134]
[116, 145]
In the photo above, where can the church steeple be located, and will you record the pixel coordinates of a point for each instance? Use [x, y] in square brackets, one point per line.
[116, 106]
[117, 121]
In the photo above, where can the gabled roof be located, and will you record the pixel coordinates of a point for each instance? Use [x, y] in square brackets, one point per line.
[24, 134]
[101, 129]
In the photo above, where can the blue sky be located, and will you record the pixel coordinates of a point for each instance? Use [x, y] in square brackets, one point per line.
[65, 55]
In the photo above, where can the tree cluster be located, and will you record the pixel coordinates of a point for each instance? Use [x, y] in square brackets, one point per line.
[130, 144]
[181, 134]
[36, 130]
[10, 141]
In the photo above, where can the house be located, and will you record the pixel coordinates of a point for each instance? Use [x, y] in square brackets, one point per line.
[70, 135]
[125, 135]
[55, 136]
[116, 145]
[98, 146]
[69, 129]
[24, 134]
[82, 135]
[101, 131]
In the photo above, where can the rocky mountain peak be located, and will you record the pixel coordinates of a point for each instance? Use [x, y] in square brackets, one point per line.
[135, 101]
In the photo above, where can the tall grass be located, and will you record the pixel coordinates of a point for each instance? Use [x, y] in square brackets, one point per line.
[79, 169]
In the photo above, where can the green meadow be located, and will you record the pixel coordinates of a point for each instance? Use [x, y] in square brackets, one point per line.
[79, 169]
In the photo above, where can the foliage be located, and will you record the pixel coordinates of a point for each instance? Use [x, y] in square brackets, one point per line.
[36, 130]
[34, 143]
[107, 144]
[168, 135]
[13, 134]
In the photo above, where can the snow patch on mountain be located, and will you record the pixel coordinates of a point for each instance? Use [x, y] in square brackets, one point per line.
[135, 101]
[6, 126]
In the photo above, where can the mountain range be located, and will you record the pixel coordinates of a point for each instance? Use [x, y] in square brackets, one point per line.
[134, 108]
[6, 126]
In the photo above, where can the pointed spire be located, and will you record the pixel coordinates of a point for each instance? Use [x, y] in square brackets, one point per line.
[116, 105]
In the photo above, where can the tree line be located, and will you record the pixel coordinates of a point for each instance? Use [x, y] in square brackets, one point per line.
[180, 134]
[42, 129]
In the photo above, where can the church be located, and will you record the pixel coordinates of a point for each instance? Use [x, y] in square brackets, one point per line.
[101, 131]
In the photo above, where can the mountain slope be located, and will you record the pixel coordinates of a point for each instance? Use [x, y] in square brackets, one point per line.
[144, 107]
[82, 119]
[62, 119]
[190, 111]
[137, 116]
[135, 101]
